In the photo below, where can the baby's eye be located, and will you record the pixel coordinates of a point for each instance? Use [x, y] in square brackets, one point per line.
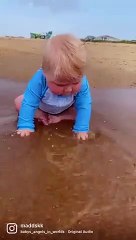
[60, 84]
[75, 83]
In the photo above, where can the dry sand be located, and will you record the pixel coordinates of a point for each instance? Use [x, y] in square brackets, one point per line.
[50, 178]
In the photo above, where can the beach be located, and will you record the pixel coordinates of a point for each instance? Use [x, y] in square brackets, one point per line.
[52, 179]
[108, 64]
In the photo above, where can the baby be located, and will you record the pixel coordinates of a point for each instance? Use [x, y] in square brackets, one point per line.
[59, 90]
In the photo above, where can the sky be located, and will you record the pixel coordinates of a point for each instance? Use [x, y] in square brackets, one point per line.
[116, 18]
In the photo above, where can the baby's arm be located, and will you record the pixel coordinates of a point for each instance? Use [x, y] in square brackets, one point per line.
[30, 104]
[83, 111]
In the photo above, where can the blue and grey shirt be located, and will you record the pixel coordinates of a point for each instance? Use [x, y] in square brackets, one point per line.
[38, 95]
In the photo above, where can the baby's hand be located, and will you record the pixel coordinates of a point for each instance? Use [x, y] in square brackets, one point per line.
[82, 135]
[24, 132]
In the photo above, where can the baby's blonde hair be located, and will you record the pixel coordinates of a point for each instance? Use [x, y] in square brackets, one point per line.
[65, 58]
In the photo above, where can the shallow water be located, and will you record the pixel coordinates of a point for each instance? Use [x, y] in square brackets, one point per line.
[51, 178]
[118, 109]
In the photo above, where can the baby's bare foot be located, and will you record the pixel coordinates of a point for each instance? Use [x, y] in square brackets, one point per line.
[42, 117]
[54, 119]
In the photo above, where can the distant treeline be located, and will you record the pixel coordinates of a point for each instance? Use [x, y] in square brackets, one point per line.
[108, 41]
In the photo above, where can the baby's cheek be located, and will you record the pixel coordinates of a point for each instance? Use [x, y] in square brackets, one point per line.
[76, 88]
[55, 89]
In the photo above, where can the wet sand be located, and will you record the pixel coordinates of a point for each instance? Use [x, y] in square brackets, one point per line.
[52, 179]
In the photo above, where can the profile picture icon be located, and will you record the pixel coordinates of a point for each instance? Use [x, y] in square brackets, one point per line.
[11, 228]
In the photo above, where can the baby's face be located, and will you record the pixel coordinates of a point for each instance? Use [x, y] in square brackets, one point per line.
[64, 89]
